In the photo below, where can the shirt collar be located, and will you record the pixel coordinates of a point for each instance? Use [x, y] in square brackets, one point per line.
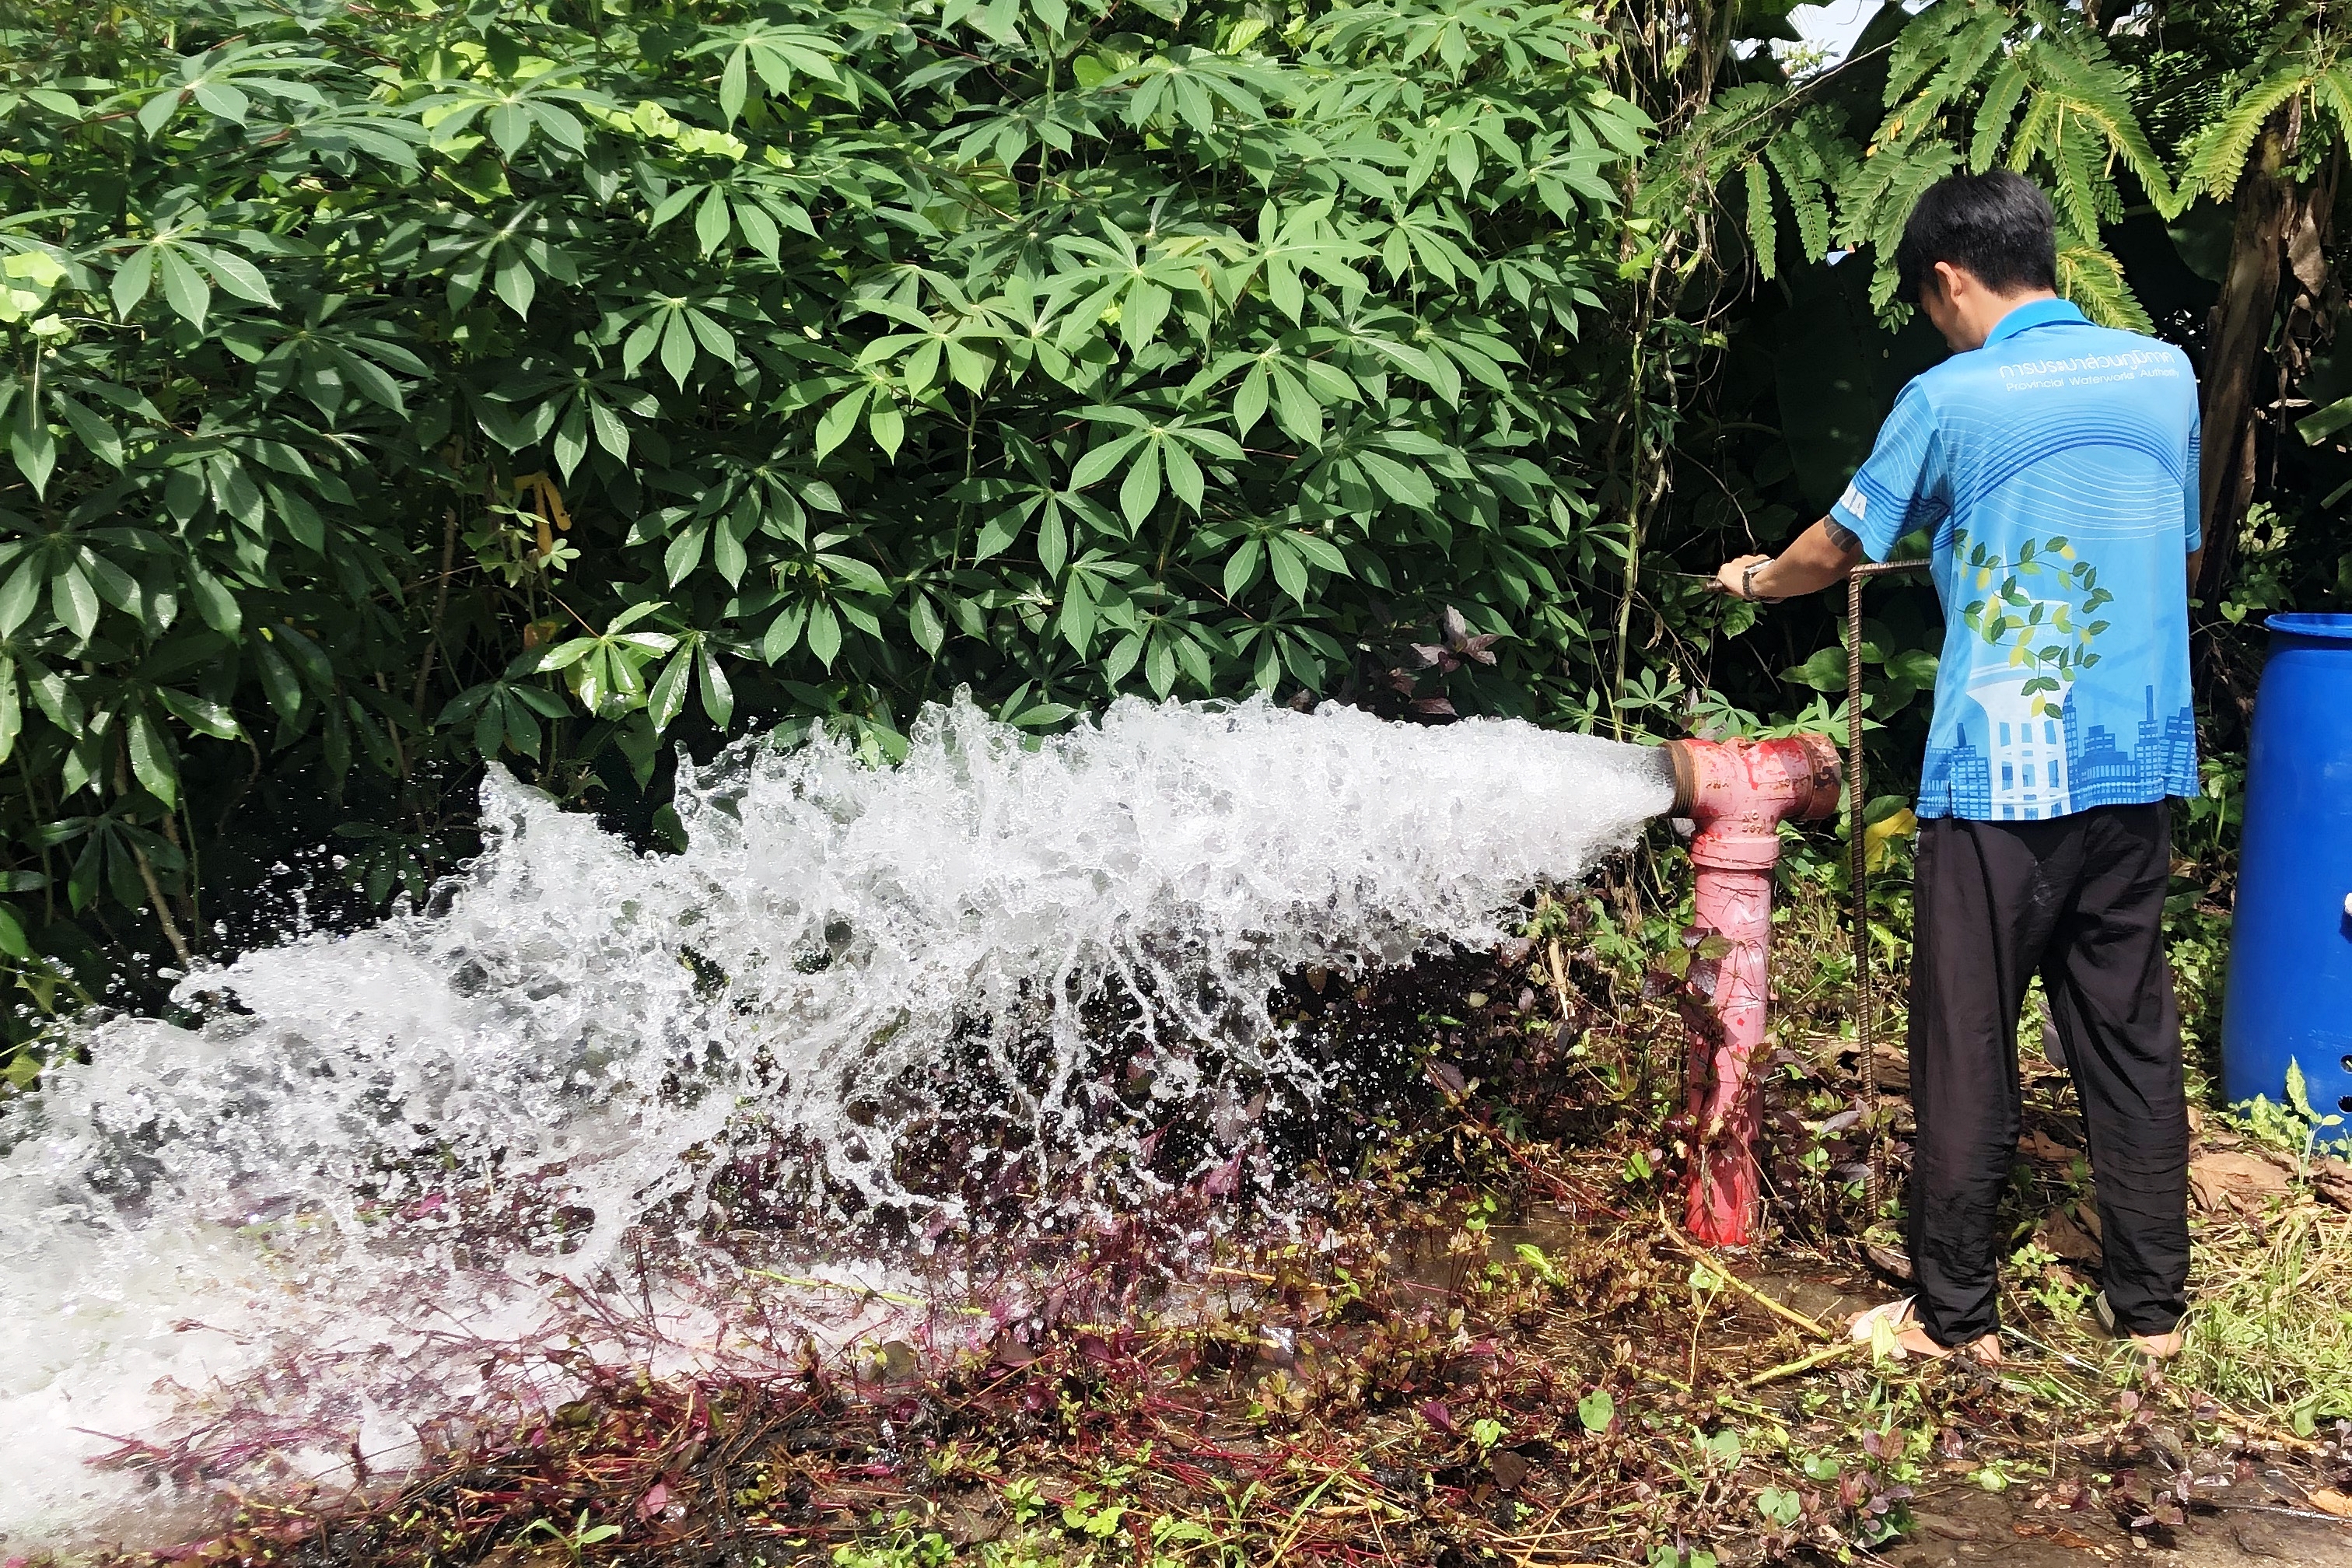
[2033, 313]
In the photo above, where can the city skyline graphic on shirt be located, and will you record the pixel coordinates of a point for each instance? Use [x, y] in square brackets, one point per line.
[2011, 764]
[2026, 746]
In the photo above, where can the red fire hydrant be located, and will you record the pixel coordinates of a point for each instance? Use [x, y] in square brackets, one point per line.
[1739, 792]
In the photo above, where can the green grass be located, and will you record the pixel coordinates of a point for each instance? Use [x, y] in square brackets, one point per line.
[2269, 1324]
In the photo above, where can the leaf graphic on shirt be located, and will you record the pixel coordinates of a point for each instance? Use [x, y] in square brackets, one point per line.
[2040, 604]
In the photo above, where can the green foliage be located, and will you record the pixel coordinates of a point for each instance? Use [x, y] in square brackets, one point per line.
[389, 394]
[1774, 141]
[2301, 67]
[1970, 84]
[2030, 86]
[2272, 1325]
[578, 1538]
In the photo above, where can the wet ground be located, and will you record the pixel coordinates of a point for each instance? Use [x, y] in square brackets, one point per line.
[1487, 1349]
[1961, 1525]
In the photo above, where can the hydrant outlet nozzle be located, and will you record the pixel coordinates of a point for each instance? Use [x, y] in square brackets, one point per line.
[1801, 775]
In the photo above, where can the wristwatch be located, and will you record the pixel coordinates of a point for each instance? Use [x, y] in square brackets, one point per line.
[1748, 584]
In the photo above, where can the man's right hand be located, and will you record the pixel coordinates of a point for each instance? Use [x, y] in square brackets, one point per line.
[1732, 576]
[1815, 561]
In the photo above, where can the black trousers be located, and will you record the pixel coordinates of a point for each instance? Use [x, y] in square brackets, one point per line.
[2080, 900]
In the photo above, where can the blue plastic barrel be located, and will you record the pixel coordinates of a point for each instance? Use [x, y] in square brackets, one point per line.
[2290, 994]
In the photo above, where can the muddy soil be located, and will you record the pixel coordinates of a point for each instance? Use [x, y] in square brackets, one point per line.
[1959, 1525]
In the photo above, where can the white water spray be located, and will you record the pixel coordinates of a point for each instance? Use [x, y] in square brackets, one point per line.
[395, 1167]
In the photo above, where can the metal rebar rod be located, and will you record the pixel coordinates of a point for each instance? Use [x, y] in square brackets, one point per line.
[1858, 873]
[1858, 863]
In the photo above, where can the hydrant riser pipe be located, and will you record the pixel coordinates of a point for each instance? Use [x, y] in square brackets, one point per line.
[1739, 792]
[1735, 905]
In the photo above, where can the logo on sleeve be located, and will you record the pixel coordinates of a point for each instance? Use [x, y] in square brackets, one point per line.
[1854, 502]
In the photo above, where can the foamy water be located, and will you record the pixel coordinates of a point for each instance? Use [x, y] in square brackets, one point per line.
[395, 1168]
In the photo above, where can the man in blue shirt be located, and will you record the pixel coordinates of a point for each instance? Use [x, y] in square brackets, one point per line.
[2051, 465]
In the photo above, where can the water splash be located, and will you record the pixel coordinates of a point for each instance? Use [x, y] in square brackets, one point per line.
[395, 1171]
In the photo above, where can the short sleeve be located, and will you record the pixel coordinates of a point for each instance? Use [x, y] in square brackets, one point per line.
[2193, 500]
[1900, 487]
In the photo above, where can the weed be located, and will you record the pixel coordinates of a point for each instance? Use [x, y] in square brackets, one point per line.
[578, 1538]
[1678, 1555]
[2292, 1128]
[2048, 1282]
[1023, 1500]
[1781, 1508]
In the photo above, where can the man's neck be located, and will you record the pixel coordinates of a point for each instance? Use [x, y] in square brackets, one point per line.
[1988, 310]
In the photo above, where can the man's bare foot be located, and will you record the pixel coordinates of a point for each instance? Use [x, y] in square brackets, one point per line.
[1900, 1320]
[2156, 1347]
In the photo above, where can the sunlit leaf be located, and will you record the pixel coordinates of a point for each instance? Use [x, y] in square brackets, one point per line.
[183, 288]
[823, 633]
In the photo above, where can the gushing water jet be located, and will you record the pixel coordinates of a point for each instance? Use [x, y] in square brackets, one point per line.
[416, 1156]
[411, 1148]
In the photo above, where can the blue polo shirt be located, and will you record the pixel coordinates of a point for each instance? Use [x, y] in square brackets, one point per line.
[2057, 469]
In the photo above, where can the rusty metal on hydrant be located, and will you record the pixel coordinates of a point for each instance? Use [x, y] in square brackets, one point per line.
[1738, 793]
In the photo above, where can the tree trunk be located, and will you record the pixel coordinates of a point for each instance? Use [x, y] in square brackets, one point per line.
[2239, 331]
[2278, 247]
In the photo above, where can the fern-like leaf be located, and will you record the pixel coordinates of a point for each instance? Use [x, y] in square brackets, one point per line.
[2332, 90]
[2095, 281]
[1923, 168]
[1738, 120]
[2041, 112]
[1763, 233]
[2097, 94]
[1803, 177]
[1993, 115]
[1972, 48]
[2072, 156]
[2221, 157]
[1861, 194]
[1862, 185]
[1926, 41]
[1727, 134]
[1832, 151]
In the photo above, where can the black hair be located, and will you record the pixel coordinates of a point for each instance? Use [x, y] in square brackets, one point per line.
[1999, 226]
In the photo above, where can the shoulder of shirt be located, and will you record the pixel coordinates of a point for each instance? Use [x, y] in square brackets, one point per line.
[1934, 386]
[2054, 340]
[2078, 335]
[2115, 337]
